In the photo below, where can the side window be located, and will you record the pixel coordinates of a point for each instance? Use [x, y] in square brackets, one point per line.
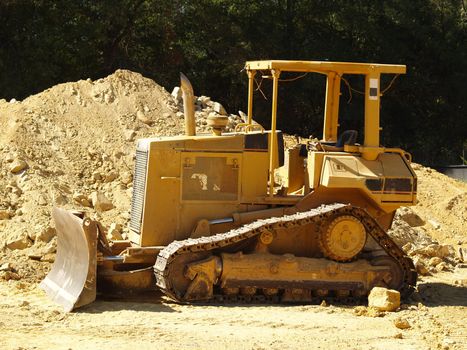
[210, 178]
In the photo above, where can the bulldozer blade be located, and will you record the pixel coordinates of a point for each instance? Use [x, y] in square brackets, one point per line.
[71, 282]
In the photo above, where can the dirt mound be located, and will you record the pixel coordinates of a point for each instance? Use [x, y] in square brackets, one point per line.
[72, 146]
[434, 231]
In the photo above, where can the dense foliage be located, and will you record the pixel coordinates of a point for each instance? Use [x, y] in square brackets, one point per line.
[45, 42]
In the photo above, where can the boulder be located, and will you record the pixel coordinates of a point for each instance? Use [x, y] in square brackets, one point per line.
[6, 267]
[436, 225]
[4, 214]
[142, 118]
[410, 217]
[115, 232]
[401, 323]
[110, 176]
[18, 165]
[218, 108]
[18, 241]
[420, 265]
[442, 266]
[434, 261]
[46, 235]
[462, 254]
[435, 250]
[100, 202]
[126, 177]
[129, 135]
[177, 94]
[384, 299]
[9, 275]
[82, 199]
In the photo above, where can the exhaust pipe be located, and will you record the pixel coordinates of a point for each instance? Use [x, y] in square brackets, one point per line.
[188, 105]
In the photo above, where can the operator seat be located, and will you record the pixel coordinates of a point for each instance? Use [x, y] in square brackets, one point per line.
[348, 137]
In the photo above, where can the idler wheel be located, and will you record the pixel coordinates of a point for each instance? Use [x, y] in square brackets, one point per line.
[343, 238]
[396, 280]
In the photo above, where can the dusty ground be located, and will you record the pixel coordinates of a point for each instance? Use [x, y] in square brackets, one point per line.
[30, 321]
[60, 146]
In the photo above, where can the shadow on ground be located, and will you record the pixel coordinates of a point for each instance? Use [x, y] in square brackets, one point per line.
[152, 301]
[442, 294]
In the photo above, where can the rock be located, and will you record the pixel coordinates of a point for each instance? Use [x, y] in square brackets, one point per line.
[442, 266]
[114, 232]
[410, 217]
[323, 303]
[50, 258]
[384, 299]
[129, 135]
[177, 94]
[59, 200]
[9, 275]
[420, 265]
[401, 323]
[4, 214]
[82, 199]
[204, 100]
[436, 225]
[6, 267]
[112, 175]
[218, 108]
[18, 242]
[435, 250]
[243, 116]
[100, 202]
[41, 200]
[96, 176]
[368, 311]
[408, 247]
[422, 270]
[462, 254]
[142, 118]
[126, 177]
[18, 165]
[434, 261]
[398, 335]
[46, 235]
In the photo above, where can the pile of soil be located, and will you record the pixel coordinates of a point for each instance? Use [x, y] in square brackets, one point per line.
[72, 146]
[434, 232]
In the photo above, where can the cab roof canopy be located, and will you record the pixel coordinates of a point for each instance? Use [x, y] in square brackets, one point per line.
[325, 67]
[334, 72]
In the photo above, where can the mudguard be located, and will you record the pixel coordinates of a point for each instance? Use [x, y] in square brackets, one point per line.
[71, 282]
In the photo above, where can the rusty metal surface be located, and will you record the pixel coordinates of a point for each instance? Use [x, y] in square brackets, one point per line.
[72, 280]
[165, 278]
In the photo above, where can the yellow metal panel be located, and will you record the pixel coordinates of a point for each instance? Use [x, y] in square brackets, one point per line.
[331, 107]
[254, 176]
[294, 163]
[228, 142]
[161, 207]
[372, 102]
[273, 143]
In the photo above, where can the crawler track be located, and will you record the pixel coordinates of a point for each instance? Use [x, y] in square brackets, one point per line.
[177, 251]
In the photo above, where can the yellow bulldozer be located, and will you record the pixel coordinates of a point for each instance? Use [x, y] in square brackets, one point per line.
[236, 217]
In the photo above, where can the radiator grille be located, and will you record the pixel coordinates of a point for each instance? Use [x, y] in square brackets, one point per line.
[139, 185]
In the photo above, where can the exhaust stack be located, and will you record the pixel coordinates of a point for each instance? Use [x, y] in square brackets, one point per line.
[188, 105]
